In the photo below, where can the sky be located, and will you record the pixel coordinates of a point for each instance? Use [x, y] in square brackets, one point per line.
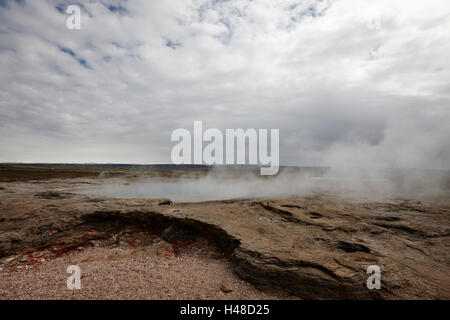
[347, 82]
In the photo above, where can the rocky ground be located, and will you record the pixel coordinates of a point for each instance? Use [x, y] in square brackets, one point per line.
[126, 271]
[315, 247]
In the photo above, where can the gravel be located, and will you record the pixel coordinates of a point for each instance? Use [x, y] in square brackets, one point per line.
[127, 273]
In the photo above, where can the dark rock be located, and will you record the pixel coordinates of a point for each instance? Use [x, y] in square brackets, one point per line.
[351, 247]
[52, 195]
[175, 233]
[165, 202]
[225, 289]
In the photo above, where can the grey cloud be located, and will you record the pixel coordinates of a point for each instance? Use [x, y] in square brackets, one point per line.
[340, 93]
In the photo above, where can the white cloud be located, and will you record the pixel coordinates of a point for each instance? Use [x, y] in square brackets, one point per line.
[340, 92]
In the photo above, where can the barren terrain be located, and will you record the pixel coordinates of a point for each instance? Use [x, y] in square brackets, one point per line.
[315, 246]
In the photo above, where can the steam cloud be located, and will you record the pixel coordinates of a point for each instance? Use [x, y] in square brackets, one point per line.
[228, 184]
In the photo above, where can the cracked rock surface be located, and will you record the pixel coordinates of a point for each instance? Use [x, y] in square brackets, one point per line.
[316, 247]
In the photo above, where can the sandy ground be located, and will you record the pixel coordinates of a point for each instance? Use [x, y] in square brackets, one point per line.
[111, 273]
[130, 273]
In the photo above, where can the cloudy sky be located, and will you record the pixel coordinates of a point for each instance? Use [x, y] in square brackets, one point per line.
[347, 82]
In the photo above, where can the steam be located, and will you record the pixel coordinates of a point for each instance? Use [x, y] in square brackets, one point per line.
[224, 184]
